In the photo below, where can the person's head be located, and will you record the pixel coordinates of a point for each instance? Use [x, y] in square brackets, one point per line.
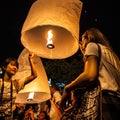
[10, 66]
[43, 116]
[93, 35]
[54, 88]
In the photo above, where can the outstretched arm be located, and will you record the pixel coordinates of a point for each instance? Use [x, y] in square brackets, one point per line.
[33, 69]
[86, 78]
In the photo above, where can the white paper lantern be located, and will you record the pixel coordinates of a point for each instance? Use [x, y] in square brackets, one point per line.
[62, 18]
[37, 90]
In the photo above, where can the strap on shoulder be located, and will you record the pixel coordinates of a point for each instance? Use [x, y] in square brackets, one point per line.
[1, 88]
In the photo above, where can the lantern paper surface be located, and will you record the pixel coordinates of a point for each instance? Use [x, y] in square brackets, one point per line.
[39, 87]
[62, 17]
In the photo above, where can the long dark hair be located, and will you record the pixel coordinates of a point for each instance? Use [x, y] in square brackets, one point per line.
[96, 36]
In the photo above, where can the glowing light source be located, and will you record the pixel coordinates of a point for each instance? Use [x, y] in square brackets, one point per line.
[50, 44]
[30, 97]
[37, 90]
[60, 16]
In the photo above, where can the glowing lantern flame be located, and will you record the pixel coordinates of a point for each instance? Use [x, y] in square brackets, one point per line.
[50, 35]
[30, 97]
[49, 40]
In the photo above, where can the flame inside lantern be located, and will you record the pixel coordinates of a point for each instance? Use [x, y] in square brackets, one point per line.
[50, 44]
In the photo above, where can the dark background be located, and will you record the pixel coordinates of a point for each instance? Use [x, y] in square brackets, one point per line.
[95, 13]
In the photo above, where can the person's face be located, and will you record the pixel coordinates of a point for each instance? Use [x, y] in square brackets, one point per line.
[51, 90]
[11, 68]
[41, 116]
[83, 43]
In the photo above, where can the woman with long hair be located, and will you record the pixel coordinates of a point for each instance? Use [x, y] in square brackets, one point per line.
[97, 89]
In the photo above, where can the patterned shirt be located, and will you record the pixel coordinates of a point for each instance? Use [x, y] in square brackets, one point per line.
[5, 103]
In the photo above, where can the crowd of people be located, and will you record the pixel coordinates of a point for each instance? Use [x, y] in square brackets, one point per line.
[93, 95]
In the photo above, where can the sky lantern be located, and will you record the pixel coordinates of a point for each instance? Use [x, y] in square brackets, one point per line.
[62, 18]
[51, 30]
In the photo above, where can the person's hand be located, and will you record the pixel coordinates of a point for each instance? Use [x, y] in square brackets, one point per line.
[31, 55]
[64, 100]
[29, 114]
[52, 99]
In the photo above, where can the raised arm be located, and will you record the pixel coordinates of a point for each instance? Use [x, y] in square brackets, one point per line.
[33, 69]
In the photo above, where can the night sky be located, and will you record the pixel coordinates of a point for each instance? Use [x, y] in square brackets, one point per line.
[95, 13]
